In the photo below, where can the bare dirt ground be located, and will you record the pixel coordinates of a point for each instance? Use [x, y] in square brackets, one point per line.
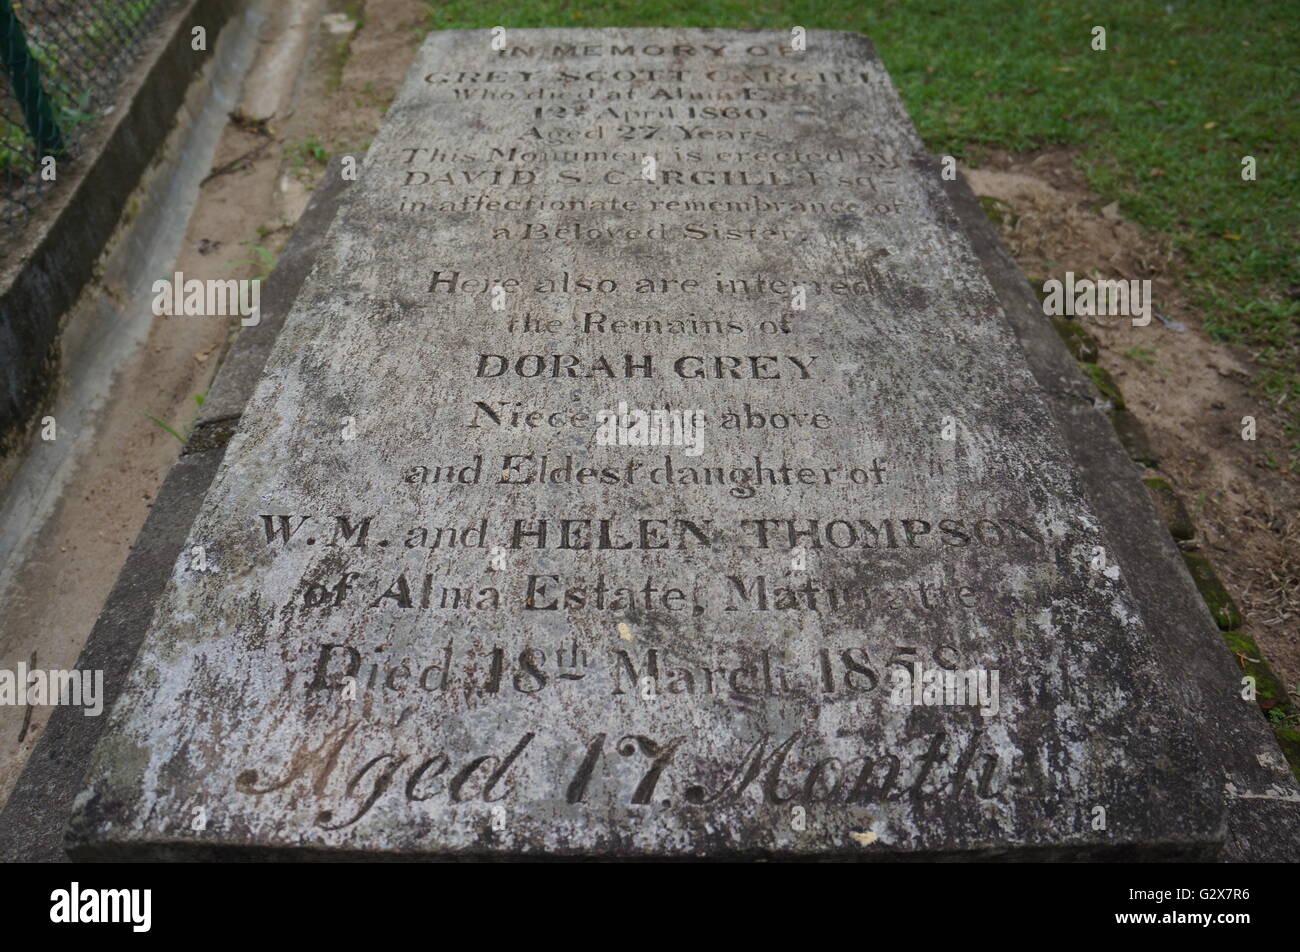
[262, 181]
[1189, 392]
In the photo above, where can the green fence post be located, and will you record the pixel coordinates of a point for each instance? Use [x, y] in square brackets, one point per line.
[25, 76]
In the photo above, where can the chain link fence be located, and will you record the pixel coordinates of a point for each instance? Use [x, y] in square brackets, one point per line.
[61, 65]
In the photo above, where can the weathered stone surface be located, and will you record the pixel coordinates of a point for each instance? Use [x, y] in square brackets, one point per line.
[913, 507]
[1171, 508]
[1134, 437]
[1261, 799]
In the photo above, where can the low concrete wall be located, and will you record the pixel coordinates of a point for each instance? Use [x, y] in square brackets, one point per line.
[33, 819]
[39, 284]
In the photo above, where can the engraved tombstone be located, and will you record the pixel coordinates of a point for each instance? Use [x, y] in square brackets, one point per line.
[646, 469]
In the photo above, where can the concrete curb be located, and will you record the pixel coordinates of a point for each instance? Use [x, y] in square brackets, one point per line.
[33, 820]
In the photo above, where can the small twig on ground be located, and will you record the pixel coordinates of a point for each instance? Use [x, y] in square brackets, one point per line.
[236, 164]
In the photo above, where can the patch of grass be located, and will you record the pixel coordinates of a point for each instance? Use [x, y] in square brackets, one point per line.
[188, 428]
[1162, 119]
[1143, 355]
[262, 261]
[340, 50]
[301, 155]
[356, 11]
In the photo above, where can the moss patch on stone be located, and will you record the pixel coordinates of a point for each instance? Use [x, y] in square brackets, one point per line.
[997, 211]
[1288, 738]
[1081, 344]
[1270, 693]
[1269, 690]
[1105, 383]
[1222, 607]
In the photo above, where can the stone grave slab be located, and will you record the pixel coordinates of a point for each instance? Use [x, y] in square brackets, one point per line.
[647, 469]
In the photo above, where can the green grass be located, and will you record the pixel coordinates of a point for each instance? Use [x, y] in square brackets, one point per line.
[1143, 355]
[188, 427]
[1161, 119]
[310, 151]
[262, 261]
